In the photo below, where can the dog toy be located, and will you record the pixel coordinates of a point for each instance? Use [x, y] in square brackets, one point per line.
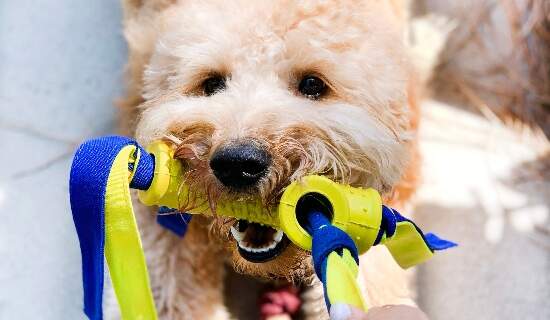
[336, 222]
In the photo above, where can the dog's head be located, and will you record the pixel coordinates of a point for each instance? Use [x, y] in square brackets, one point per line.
[256, 94]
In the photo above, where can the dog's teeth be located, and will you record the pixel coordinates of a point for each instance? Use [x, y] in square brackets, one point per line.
[271, 245]
[239, 236]
[278, 236]
[245, 247]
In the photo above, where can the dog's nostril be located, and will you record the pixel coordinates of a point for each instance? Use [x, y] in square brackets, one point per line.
[253, 168]
[240, 164]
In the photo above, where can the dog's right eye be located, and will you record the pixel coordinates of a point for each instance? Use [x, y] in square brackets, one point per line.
[312, 87]
[213, 85]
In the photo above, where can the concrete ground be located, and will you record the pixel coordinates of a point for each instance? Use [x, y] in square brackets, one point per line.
[482, 190]
[61, 64]
[60, 69]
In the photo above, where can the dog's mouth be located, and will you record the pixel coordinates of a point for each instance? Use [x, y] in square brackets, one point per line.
[257, 243]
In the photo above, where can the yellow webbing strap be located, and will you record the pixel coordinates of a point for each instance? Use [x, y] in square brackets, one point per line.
[123, 249]
[341, 285]
[407, 246]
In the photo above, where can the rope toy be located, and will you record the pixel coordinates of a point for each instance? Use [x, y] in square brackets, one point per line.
[336, 222]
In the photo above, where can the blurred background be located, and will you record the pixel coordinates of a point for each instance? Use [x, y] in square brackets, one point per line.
[484, 139]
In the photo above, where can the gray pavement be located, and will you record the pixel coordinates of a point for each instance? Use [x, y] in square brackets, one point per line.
[478, 190]
[61, 66]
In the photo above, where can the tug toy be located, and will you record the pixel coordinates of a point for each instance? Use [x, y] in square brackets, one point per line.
[336, 222]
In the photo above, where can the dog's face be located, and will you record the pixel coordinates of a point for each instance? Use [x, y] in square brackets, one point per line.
[255, 95]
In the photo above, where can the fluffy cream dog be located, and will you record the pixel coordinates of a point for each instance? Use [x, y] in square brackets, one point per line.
[254, 95]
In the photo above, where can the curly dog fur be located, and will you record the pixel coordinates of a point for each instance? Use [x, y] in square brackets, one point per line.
[361, 131]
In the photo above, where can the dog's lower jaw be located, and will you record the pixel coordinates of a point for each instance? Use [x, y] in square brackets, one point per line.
[292, 265]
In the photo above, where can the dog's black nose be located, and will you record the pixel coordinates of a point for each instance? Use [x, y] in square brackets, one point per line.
[240, 164]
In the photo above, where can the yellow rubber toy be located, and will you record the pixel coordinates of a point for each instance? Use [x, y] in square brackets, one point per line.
[356, 211]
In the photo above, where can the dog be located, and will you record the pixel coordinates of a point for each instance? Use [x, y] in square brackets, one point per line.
[254, 95]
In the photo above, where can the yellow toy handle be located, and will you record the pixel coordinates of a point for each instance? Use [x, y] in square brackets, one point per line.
[356, 211]
[342, 223]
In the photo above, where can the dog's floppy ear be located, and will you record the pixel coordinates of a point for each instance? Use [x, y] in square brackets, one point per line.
[141, 25]
[142, 19]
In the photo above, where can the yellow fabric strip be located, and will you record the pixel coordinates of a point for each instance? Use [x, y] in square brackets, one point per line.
[407, 246]
[123, 249]
[341, 284]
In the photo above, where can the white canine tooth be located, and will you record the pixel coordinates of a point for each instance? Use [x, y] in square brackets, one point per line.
[239, 236]
[278, 236]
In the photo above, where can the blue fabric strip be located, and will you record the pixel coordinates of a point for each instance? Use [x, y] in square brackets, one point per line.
[390, 218]
[436, 243]
[323, 278]
[388, 225]
[326, 239]
[174, 221]
[145, 171]
[88, 180]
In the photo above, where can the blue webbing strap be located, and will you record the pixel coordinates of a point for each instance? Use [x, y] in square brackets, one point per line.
[88, 179]
[326, 239]
[173, 220]
[390, 218]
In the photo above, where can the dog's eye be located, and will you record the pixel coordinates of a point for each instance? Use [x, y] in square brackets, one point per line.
[312, 87]
[213, 85]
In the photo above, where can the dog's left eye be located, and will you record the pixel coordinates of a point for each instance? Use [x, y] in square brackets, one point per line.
[213, 84]
[312, 87]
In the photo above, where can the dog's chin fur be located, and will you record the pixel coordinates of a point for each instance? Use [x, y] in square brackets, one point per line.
[360, 133]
